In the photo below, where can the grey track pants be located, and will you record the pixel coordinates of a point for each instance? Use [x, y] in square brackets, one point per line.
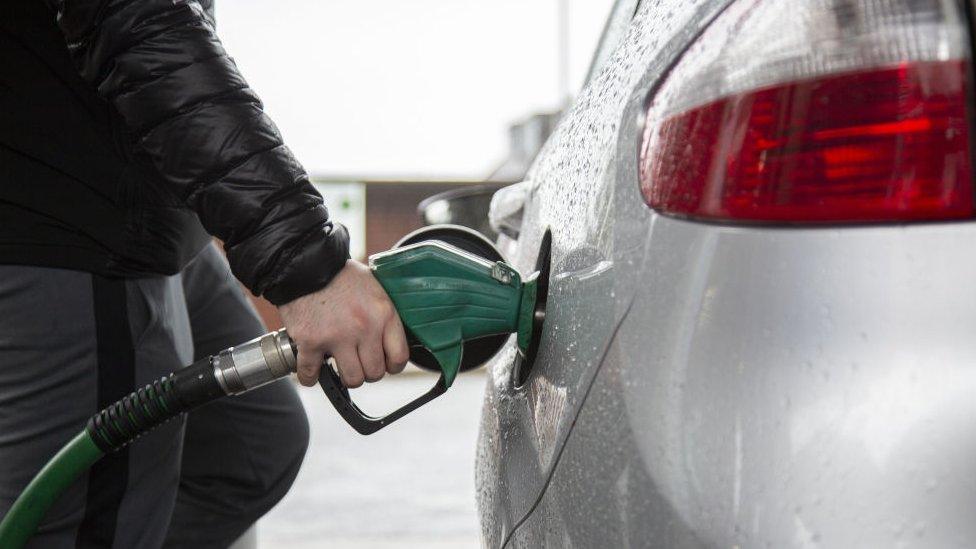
[72, 342]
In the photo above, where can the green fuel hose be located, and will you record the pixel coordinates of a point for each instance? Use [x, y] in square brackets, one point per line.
[27, 512]
[233, 371]
[107, 431]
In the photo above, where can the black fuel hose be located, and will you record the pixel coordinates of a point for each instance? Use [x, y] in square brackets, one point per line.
[149, 407]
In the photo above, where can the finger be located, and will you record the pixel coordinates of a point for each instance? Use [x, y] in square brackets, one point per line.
[350, 369]
[395, 346]
[308, 366]
[371, 356]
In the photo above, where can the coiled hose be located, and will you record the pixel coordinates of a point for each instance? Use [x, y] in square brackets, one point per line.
[107, 431]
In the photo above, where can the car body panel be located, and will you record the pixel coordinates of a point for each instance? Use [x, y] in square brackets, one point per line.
[597, 224]
[710, 385]
[841, 416]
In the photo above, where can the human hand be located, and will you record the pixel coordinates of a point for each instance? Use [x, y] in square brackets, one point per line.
[353, 320]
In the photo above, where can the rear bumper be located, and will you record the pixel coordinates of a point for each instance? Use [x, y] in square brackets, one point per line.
[783, 387]
[808, 385]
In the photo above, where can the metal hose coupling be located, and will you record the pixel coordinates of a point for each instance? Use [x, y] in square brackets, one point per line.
[260, 361]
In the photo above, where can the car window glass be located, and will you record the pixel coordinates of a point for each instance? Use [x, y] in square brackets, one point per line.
[613, 33]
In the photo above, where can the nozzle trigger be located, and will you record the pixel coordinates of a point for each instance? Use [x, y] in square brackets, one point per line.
[363, 423]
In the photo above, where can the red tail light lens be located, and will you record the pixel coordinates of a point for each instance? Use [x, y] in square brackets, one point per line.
[800, 112]
[888, 144]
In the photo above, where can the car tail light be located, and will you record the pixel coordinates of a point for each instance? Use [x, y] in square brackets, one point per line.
[800, 111]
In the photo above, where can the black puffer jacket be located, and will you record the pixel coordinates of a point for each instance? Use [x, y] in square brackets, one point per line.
[190, 133]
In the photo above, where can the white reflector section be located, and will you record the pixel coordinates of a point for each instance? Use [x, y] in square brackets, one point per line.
[760, 43]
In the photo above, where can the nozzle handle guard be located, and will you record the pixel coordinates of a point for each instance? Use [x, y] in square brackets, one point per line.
[363, 423]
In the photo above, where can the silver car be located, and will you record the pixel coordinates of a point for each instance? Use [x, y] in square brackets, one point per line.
[756, 226]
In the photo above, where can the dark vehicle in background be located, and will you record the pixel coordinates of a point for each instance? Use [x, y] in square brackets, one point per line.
[466, 206]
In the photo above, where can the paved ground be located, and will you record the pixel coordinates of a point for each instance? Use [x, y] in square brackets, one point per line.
[409, 485]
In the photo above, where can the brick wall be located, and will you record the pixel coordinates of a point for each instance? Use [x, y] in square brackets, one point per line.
[391, 211]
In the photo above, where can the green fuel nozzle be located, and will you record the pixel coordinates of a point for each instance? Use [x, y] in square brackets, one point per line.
[446, 297]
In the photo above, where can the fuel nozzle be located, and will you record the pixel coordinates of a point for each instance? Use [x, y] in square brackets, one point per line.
[454, 294]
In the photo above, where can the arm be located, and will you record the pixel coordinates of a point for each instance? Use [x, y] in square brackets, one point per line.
[160, 64]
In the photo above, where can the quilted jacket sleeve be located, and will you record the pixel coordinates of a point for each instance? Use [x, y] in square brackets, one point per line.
[161, 65]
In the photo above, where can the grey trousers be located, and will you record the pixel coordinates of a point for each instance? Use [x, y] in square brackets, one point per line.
[72, 342]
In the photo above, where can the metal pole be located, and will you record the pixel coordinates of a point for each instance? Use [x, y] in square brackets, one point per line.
[562, 38]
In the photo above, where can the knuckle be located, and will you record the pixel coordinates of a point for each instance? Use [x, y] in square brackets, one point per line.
[351, 377]
[359, 316]
[354, 382]
[353, 329]
[375, 375]
[372, 369]
[327, 336]
[387, 311]
[400, 355]
[308, 341]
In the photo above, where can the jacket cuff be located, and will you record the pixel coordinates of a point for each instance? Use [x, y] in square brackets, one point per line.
[316, 261]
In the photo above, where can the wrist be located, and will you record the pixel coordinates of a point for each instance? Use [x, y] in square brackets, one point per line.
[312, 268]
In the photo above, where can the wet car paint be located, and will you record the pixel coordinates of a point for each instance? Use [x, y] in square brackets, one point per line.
[583, 191]
[704, 385]
[840, 425]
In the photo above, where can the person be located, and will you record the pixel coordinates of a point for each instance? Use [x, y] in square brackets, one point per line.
[128, 139]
